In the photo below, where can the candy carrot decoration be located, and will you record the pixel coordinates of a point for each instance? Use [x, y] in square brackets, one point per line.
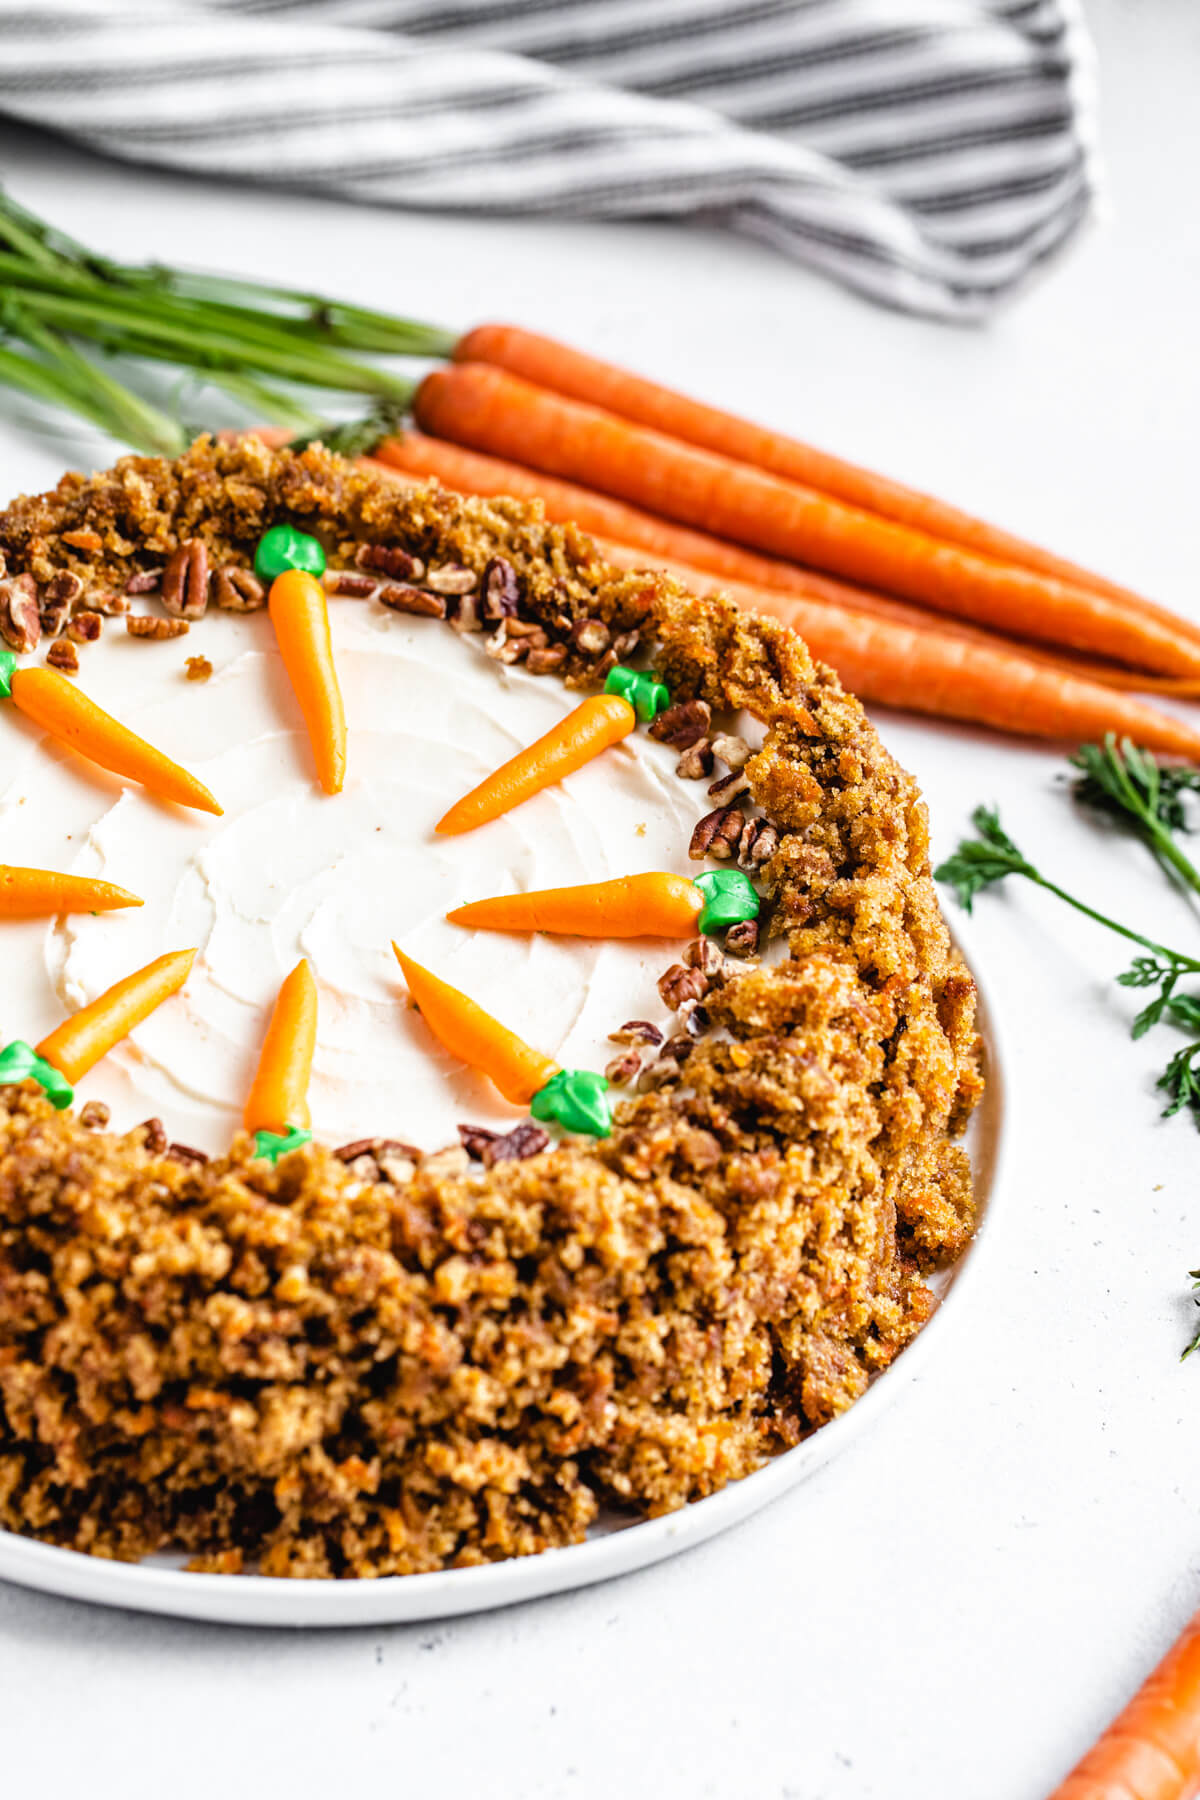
[277, 1105]
[301, 620]
[593, 726]
[575, 1097]
[1151, 1751]
[37, 893]
[64, 713]
[633, 906]
[79, 1043]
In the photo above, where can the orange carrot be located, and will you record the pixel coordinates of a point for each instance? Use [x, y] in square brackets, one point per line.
[951, 677]
[632, 906]
[475, 1037]
[301, 620]
[556, 366]
[602, 720]
[49, 699]
[278, 1097]
[568, 504]
[493, 411]
[1151, 1751]
[78, 1044]
[35, 893]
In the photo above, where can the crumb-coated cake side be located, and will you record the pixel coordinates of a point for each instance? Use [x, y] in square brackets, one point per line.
[383, 1363]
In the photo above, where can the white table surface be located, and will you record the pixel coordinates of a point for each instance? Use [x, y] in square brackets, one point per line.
[955, 1607]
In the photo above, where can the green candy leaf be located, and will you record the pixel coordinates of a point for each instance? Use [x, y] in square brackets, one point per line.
[8, 664]
[729, 898]
[647, 695]
[271, 1145]
[19, 1061]
[577, 1099]
[284, 547]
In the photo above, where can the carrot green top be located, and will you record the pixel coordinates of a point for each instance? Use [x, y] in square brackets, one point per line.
[647, 695]
[8, 663]
[19, 1061]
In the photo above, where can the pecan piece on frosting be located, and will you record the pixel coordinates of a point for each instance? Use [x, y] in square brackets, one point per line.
[63, 656]
[451, 578]
[680, 984]
[20, 613]
[742, 939]
[683, 724]
[238, 590]
[185, 581]
[501, 589]
[696, 762]
[85, 627]
[717, 834]
[391, 560]
[402, 598]
[149, 625]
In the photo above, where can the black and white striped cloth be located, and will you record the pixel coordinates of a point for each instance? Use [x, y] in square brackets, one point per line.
[930, 153]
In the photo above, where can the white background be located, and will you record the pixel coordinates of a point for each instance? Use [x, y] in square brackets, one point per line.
[955, 1607]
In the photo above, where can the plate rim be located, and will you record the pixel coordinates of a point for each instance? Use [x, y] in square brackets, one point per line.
[329, 1602]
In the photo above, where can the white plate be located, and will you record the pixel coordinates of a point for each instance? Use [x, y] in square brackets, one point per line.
[161, 1586]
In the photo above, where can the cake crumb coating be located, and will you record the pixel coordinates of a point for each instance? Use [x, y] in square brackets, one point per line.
[315, 1370]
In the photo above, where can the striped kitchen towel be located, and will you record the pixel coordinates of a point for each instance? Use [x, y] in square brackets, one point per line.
[930, 153]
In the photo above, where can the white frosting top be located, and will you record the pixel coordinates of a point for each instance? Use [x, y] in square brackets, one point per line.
[289, 871]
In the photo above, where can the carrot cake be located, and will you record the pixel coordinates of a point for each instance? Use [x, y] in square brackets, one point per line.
[444, 1332]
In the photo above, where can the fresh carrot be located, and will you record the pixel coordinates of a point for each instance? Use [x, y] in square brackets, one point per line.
[625, 535]
[50, 700]
[493, 411]
[278, 1097]
[36, 893]
[549, 364]
[951, 677]
[566, 503]
[632, 906]
[301, 619]
[78, 1044]
[471, 1034]
[1151, 1751]
[602, 720]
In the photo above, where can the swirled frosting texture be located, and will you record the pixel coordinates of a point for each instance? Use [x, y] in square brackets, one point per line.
[290, 872]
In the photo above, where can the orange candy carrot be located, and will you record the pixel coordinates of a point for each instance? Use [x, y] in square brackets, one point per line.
[600, 721]
[49, 699]
[475, 1037]
[36, 893]
[278, 1098]
[966, 677]
[493, 411]
[549, 364]
[1151, 1751]
[301, 620]
[79, 1043]
[633, 906]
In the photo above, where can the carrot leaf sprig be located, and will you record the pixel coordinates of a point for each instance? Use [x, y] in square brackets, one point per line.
[1131, 786]
[992, 856]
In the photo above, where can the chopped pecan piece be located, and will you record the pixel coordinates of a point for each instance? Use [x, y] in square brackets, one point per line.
[143, 581]
[62, 589]
[54, 615]
[545, 661]
[390, 560]
[451, 578]
[703, 954]
[238, 590]
[501, 589]
[758, 843]
[86, 627]
[681, 983]
[183, 1153]
[412, 600]
[462, 610]
[717, 834]
[696, 762]
[185, 581]
[591, 636]
[683, 724]
[94, 1115]
[153, 1137]
[626, 1068]
[63, 656]
[636, 1031]
[504, 649]
[476, 1139]
[347, 584]
[728, 787]
[524, 1140]
[112, 605]
[20, 613]
[742, 940]
[149, 625]
[734, 752]
[625, 645]
[197, 668]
